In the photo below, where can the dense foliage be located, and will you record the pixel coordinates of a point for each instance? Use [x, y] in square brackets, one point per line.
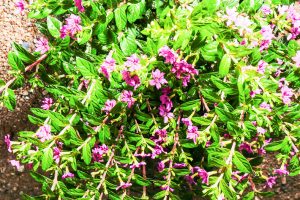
[159, 99]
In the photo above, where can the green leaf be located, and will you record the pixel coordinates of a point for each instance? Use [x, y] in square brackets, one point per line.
[191, 105]
[120, 17]
[54, 26]
[224, 65]
[210, 51]
[160, 195]
[86, 154]
[201, 120]
[241, 163]
[9, 99]
[135, 11]
[249, 196]
[47, 158]
[86, 68]
[22, 53]
[223, 115]
[228, 193]
[275, 146]
[84, 36]
[241, 88]
[15, 62]
[104, 134]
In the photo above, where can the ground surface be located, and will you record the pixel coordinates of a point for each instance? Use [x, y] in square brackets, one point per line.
[15, 27]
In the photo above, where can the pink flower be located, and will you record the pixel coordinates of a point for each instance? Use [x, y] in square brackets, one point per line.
[20, 6]
[204, 175]
[78, 4]
[190, 179]
[42, 45]
[44, 133]
[271, 181]
[192, 133]
[133, 63]
[160, 166]
[286, 94]
[179, 165]
[261, 67]
[282, 82]
[108, 66]
[261, 151]
[281, 171]
[187, 121]
[160, 136]
[282, 9]
[295, 31]
[167, 187]
[165, 113]
[296, 59]
[158, 79]
[98, 152]
[186, 80]
[109, 104]
[15, 163]
[67, 175]
[72, 26]
[266, 106]
[182, 69]
[56, 154]
[261, 130]
[131, 80]
[266, 9]
[255, 92]
[47, 103]
[245, 146]
[137, 165]
[169, 55]
[8, 142]
[126, 97]
[231, 15]
[124, 185]
[166, 101]
[166, 90]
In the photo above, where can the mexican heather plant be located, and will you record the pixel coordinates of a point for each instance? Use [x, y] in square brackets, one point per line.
[159, 99]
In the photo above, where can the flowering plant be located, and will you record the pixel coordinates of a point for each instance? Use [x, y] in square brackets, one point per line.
[159, 99]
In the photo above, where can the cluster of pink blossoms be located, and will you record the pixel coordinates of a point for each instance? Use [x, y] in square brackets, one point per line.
[166, 105]
[44, 133]
[109, 104]
[67, 175]
[72, 26]
[294, 16]
[296, 59]
[127, 97]
[47, 103]
[42, 45]
[202, 173]
[267, 36]
[98, 152]
[20, 6]
[159, 139]
[180, 68]
[108, 66]
[192, 131]
[130, 76]
[158, 79]
[261, 67]
[286, 92]
[8, 142]
[78, 4]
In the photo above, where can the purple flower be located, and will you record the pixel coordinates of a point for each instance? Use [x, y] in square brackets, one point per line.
[261, 130]
[231, 15]
[157, 151]
[186, 80]
[187, 121]
[166, 90]
[295, 31]
[255, 92]
[266, 106]
[169, 55]
[160, 166]
[245, 146]
[44, 133]
[266, 9]
[158, 79]
[192, 133]
[271, 181]
[15, 163]
[179, 165]
[267, 32]
[203, 175]
[56, 154]
[130, 80]
[47, 103]
[42, 45]
[98, 152]
[160, 136]
[72, 26]
[282, 82]
[108, 66]
[126, 97]
[8, 142]
[183, 70]
[165, 113]
[20, 6]
[78, 4]
[137, 165]
[286, 94]
[167, 187]
[165, 100]
[123, 185]
[282, 171]
[261, 66]
[296, 59]
[133, 63]
[109, 104]
[208, 143]
[282, 9]
[261, 151]
[190, 179]
[67, 175]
